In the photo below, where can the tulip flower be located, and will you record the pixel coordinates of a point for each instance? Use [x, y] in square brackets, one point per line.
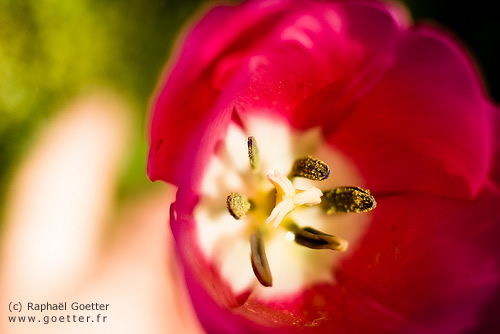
[335, 170]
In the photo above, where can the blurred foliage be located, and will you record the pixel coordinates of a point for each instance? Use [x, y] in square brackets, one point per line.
[52, 50]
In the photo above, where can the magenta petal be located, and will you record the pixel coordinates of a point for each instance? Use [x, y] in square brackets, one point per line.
[190, 112]
[283, 57]
[426, 264]
[404, 104]
[495, 145]
[318, 59]
[423, 126]
[432, 261]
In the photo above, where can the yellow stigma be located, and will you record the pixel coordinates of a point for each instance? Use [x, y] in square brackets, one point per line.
[288, 198]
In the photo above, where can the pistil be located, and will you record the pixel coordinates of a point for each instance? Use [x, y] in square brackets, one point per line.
[288, 198]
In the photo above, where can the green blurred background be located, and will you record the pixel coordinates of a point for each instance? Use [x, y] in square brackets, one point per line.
[54, 50]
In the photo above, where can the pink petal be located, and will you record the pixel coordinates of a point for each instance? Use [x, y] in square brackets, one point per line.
[431, 260]
[423, 126]
[272, 55]
[495, 144]
[427, 264]
[406, 106]
[190, 111]
[317, 59]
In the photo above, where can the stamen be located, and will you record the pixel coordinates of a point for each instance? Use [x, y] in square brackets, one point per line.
[310, 168]
[238, 205]
[258, 256]
[311, 238]
[347, 199]
[253, 153]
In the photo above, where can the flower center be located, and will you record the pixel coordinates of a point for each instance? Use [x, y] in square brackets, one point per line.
[293, 249]
[287, 198]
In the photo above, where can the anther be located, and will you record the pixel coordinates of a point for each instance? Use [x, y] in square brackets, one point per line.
[253, 153]
[312, 238]
[238, 205]
[347, 199]
[258, 257]
[310, 168]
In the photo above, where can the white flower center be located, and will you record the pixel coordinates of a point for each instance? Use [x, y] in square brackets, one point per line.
[224, 241]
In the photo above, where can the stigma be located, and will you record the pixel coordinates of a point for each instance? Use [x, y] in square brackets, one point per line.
[288, 198]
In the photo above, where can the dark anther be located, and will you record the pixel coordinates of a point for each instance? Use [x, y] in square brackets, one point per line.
[311, 238]
[253, 153]
[258, 256]
[347, 199]
[310, 168]
[237, 205]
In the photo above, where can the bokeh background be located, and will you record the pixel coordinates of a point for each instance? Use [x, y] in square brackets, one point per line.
[68, 63]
